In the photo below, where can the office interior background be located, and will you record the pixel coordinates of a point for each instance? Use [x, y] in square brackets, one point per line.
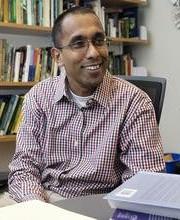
[161, 57]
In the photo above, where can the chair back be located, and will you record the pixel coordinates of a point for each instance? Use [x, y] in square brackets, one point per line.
[155, 88]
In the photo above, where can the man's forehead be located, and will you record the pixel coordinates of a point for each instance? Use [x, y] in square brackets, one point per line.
[79, 19]
[75, 24]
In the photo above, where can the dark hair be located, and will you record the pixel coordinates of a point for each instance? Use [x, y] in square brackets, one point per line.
[57, 28]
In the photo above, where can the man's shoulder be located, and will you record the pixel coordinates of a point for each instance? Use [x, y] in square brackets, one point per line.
[121, 84]
[126, 90]
[48, 83]
[44, 92]
[45, 87]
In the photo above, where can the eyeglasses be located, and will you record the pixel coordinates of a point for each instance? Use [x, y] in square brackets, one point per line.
[81, 46]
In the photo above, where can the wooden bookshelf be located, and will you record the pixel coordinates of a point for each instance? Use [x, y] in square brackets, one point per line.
[14, 85]
[127, 41]
[117, 3]
[24, 29]
[7, 138]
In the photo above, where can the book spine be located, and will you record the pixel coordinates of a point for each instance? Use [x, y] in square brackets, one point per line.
[121, 214]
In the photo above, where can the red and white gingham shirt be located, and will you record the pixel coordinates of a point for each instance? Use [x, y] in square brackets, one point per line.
[76, 152]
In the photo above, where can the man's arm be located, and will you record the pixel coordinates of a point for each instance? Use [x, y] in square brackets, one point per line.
[27, 163]
[141, 147]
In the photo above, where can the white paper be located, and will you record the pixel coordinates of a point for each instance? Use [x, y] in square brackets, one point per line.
[149, 192]
[36, 210]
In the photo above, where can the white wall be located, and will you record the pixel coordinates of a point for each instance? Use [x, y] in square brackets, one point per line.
[162, 58]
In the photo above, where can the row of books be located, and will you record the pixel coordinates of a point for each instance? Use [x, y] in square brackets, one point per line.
[120, 22]
[25, 63]
[30, 12]
[37, 12]
[121, 64]
[97, 7]
[10, 113]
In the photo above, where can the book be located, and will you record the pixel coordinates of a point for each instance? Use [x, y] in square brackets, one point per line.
[36, 209]
[2, 105]
[4, 99]
[46, 13]
[17, 66]
[148, 192]
[120, 214]
[17, 117]
[27, 62]
[8, 114]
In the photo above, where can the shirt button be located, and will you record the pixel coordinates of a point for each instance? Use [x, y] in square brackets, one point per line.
[76, 143]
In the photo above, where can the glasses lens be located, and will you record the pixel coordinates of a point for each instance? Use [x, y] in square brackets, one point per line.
[81, 46]
[99, 42]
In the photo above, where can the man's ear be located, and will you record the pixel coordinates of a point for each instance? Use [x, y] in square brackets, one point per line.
[56, 55]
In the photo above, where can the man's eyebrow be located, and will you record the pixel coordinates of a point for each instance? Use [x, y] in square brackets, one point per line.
[81, 37]
[99, 34]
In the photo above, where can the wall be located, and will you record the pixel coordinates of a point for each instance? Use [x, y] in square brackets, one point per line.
[162, 59]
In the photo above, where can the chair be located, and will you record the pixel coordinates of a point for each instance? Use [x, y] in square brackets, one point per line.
[154, 86]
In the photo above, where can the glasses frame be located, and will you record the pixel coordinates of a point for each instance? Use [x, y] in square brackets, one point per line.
[88, 41]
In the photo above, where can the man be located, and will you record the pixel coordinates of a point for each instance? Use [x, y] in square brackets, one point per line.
[85, 131]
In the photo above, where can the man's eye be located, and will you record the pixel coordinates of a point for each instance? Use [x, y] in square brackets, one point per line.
[78, 44]
[99, 42]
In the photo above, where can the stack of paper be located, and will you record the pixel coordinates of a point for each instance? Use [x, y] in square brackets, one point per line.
[36, 210]
[148, 192]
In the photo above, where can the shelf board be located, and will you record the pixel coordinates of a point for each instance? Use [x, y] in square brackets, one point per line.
[116, 3]
[14, 28]
[7, 138]
[4, 84]
[127, 41]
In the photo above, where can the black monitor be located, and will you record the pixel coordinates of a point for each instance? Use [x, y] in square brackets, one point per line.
[154, 86]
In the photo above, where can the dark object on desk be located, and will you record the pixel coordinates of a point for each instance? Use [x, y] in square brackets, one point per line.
[3, 180]
[177, 168]
[172, 162]
[92, 206]
[155, 88]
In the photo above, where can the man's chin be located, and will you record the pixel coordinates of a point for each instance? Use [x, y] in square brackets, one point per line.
[94, 83]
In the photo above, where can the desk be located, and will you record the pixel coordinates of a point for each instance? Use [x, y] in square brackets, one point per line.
[93, 206]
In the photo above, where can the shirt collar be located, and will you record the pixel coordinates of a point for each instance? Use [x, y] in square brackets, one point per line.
[61, 88]
[101, 95]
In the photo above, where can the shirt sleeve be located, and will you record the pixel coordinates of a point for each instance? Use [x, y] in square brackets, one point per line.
[27, 164]
[141, 146]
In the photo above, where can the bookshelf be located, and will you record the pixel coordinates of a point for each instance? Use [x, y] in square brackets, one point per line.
[124, 3]
[23, 29]
[16, 85]
[40, 31]
[7, 138]
[128, 41]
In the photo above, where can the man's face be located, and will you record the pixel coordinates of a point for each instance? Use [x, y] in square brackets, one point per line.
[85, 67]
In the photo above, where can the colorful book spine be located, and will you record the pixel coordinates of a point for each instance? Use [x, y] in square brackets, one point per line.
[8, 115]
[121, 214]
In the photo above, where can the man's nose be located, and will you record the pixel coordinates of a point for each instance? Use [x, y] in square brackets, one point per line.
[92, 50]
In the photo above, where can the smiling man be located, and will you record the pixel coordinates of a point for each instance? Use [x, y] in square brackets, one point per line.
[85, 131]
[81, 47]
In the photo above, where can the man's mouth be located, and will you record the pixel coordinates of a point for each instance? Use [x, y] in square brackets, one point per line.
[92, 67]
[95, 67]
